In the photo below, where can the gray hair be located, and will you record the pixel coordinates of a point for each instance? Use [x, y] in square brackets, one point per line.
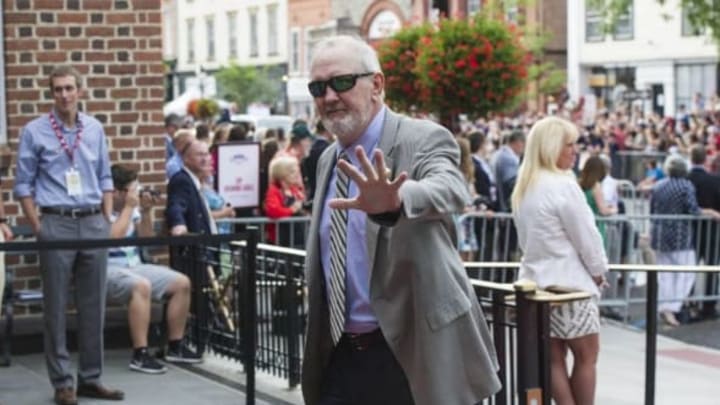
[606, 161]
[365, 55]
[675, 166]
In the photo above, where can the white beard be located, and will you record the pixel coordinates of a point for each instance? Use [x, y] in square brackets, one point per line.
[346, 126]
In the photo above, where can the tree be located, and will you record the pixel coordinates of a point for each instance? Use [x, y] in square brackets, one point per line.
[246, 85]
[471, 66]
[702, 14]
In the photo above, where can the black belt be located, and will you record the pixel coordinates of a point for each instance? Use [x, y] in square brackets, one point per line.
[71, 212]
[361, 341]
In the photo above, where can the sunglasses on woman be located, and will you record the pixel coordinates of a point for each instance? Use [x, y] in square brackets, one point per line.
[339, 84]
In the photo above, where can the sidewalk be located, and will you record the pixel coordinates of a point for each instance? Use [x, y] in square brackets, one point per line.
[686, 375]
[26, 383]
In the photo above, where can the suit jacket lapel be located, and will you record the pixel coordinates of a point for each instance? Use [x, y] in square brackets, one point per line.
[324, 170]
[386, 144]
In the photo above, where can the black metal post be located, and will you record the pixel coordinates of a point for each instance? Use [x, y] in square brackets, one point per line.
[544, 354]
[250, 335]
[293, 325]
[528, 376]
[651, 337]
[499, 325]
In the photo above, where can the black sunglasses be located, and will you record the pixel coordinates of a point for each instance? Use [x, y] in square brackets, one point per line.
[339, 83]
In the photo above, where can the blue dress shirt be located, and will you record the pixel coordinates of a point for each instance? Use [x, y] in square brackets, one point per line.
[359, 317]
[173, 165]
[42, 163]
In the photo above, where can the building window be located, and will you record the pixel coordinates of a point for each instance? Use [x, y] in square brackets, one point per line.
[473, 7]
[593, 24]
[190, 40]
[624, 25]
[210, 32]
[232, 34]
[691, 79]
[272, 30]
[253, 33]
[688, 29]
[295, 51]
[511, 11]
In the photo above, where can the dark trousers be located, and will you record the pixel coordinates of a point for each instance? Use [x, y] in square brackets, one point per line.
[365, 375]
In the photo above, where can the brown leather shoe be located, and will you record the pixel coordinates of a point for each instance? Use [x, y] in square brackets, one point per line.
[65, 396]
[99, 391]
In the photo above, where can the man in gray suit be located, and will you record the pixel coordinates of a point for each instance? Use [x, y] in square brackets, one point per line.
[392, 315]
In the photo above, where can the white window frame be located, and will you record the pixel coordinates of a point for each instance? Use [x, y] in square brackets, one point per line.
[272, 25]
[190, 41]
[295, 50]
[210, 36]
[253, 32]
[232, 34]
[593, 17]
[627, 19]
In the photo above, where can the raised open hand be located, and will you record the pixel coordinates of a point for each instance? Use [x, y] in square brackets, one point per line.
[376, 193]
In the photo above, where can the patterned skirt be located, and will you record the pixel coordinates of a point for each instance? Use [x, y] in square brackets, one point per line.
[575, 319]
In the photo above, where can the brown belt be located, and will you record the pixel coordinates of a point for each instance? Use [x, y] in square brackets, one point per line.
[362, 341]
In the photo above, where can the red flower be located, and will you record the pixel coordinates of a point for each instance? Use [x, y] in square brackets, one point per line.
[460, 64]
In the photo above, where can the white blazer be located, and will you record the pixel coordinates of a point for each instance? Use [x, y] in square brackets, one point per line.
[560, 242]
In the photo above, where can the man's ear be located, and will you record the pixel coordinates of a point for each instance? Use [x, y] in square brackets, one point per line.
[378, 83]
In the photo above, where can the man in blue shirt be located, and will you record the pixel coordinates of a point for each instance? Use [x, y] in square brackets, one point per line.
[63, 170]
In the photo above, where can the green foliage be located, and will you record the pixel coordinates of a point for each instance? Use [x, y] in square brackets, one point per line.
[397, 56]
[207, 109]
[703, 14]
[471, 66]
[246, 85]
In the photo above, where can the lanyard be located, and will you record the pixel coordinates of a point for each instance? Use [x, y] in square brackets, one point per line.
[61, 137]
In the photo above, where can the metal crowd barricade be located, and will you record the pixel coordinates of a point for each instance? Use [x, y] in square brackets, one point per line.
[627, 241]
[631, 164]
[294, 229]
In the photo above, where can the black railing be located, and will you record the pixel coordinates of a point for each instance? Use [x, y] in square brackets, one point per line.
[249, 305]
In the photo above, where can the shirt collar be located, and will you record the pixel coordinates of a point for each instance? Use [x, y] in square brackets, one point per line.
[61, 123]
[194, 178]
[368, 140]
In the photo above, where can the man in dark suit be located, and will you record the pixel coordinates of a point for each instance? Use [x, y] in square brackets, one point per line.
[393, 318]
[486, 189]
[707, 189]
[323, 138]
[187, 210]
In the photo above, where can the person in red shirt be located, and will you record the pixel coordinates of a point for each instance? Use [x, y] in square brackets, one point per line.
[285, 198]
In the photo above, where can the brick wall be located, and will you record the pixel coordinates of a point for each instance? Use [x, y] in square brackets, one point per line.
[116, 45]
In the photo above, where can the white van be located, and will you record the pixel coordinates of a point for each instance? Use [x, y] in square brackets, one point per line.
[263, 123]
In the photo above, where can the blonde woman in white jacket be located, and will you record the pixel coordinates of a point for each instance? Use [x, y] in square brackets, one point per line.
[561, 246]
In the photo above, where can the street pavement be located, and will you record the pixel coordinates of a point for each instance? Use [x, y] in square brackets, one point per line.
[687, 374]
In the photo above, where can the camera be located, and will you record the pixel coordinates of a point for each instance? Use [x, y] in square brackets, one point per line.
[153, 193]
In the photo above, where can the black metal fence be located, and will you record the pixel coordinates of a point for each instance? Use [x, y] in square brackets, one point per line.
[249, 305]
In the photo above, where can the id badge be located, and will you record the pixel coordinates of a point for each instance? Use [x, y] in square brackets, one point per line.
[72, 181]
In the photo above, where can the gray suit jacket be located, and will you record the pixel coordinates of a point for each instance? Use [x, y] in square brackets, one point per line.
[419, 290]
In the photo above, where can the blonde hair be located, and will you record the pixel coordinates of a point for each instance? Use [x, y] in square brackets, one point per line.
[466, 164]
[281, 167]
[543, 147]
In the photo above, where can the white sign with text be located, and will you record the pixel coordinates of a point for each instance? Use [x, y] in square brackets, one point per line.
[239, 173]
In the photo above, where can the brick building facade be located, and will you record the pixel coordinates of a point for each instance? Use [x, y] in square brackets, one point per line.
[116, 45]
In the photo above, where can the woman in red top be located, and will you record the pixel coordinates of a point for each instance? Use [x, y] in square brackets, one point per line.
[284, 198]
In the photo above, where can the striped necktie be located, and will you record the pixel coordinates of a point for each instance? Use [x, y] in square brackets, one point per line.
[338, 256]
